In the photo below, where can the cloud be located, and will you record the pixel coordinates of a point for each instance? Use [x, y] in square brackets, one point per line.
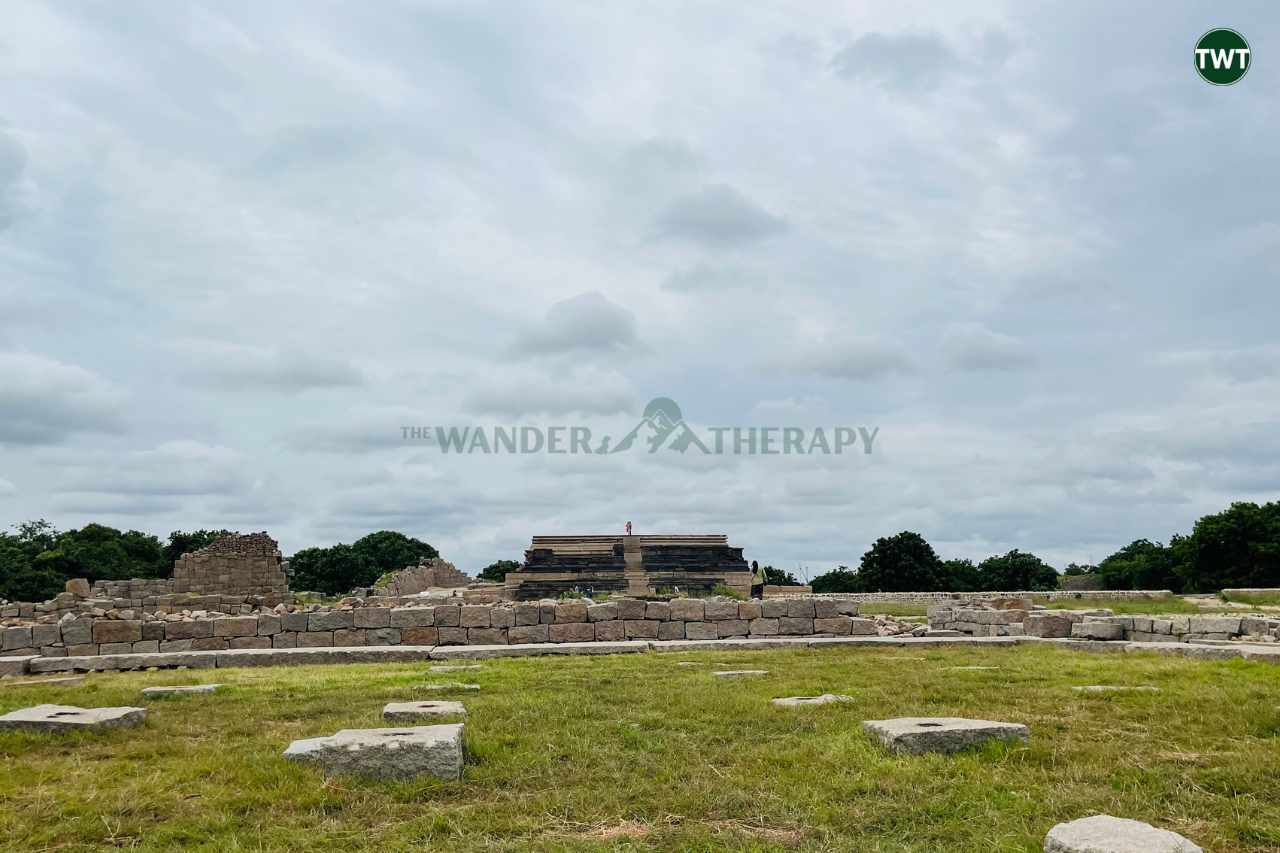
[175, 468]
[585, 391]
[13, 162]
[971, 346]
[718, 217]
[1235, 364]
[854, 358]
[44, 401]
[587, 323]
[7, 488]
[706, 278]
[904, 62]
[237, 366]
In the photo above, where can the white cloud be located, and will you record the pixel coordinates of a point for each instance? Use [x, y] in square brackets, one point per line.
[44, 401]
[972, 346]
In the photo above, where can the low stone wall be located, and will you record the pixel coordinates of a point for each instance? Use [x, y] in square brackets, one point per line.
[132, 588]
[1103, 625]
[1041, 595]
[125, 632]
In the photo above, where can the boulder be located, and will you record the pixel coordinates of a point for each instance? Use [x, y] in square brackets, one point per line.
[1106, 834]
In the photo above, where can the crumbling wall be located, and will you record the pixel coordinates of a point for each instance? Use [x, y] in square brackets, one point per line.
[232, 565]
[433, 573]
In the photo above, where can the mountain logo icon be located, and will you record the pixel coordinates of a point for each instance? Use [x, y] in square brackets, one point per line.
[661, 425]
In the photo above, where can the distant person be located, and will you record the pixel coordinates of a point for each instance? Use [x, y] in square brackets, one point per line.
[757, 580]
[628, 528]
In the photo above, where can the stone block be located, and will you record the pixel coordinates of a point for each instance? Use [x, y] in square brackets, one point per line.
[153, 631]
[59, 718]
[546, 612]
[732, 628]
[846, 607]
[114, 631]
[315, 639]
[345, 637]
[46, 635]
[285, 640]
[15, 664]
[630, 608]
[448, 616]
[641, 629]
[295, 622]
[800, 608]
[1107, 834]
[795, 625]
[419, 636]
[373, 617]
[531, 633]
[749, 610]
[474, 616]
[77, 632]
[269, 624]
[1047, 625]
[824, 608]
[501, 617]
[188, 630]
[917, 735]
[19, 638]
[330, 620]
[764, 627]
[1214, 625]
[670, 630]
[717, 609]
[1097, 631]
[453, 636]
[573, 632]
[82, 650]
[569, 612]
[611, 631]
[249, 643]
[810, 701]
[236, 626]
[659, 611]
[686, 609]
[396, 753]
[410, 712]
[602, 612]
[145, 647]
[773, 608]
[840, 626]
[116, 648]
[384, 636]
[701, 631]
[208, 644]
[412, 617]
[487, 636]
[526, 614]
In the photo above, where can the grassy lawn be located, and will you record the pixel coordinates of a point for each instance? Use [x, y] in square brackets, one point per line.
[1266, 599]
[1144, 607]
[891, 608]
[635, 752]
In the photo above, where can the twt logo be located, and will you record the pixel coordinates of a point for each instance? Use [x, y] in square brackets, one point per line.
[661, 427]
[1222, 57]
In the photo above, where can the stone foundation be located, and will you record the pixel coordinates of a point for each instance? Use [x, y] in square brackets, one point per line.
[1103, 625]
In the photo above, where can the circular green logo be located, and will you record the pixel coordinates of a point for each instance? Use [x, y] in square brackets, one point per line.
[1222, 57]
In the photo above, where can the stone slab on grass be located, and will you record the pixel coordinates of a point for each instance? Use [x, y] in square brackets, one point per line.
[811, 701]
[408, 712]
[444, 686]
[917, 735]
[64, 681]
[454, 667]
[395, 753]
[180, 690]
[58, 718]
[1115, 688]
[1106, 834]
[739, 673]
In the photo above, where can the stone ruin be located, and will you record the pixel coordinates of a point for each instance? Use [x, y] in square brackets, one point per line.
[430, 573]
[233, 565]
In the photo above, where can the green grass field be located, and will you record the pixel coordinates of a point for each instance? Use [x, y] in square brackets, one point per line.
[1145, 606]
[635, 752]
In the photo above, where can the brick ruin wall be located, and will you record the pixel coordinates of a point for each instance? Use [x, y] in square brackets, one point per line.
[232, 565]
[428, 574]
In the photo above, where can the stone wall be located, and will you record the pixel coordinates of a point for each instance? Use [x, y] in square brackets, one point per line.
[428, 574]
[1103, 625]
[132, 588]
[126, 632]
[232, 565]
[943, 597]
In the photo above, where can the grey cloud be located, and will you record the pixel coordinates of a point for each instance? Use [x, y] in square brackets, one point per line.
[854, 358]
[587, 323]
[972, 346]
[13, 162]
[901, 61]
[705, 278]
[1237, 364]
[236, 366]
[512, 398]
[43, 401]
[718, 217]
[174, 469]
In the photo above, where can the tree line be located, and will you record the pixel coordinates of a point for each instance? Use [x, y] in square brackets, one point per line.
[1238, 547]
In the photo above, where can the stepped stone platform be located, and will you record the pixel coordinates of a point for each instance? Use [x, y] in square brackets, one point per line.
[396, 753]
[639, 566]
[61, 718]
[918, 735]
[1106, 834]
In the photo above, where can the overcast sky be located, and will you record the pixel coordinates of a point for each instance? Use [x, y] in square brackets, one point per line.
[243, 244]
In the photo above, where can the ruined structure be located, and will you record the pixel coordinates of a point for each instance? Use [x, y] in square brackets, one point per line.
[643, 566]
[430, 573]
[237, 564]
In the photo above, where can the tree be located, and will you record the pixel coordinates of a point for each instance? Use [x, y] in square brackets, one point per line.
[1142, 564]
[1017, 570]
[960, 575]
[390, 551]
[98, 552]
[839, 579]
[779, 577]
[497, 571]
[1238, 547]
[181, 542]
[20, 580]
[331, 571]
[901, 563]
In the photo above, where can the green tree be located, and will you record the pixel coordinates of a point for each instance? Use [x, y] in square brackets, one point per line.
[497, 571]
[20, 579]
[901, 563]
[839, 579]
[1142, 564]
[960, 575]
[1238, 547]
[98, 552]
[331, 571]
[779, 577]
[1017, 570]
[390, 551]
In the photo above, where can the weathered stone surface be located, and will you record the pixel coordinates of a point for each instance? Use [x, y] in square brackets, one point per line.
[63, 681]
[795, 625]
[838, 625]
[79, 587]
[296, 622]
[188, 630]
[1097, 631]
[412, 617]
[235, 626]
[701, 631]
[18, 637]
[315, 639]
[77, 632]
[501, 617]
[346, 637]
[529, 634]
[569, 612]
[487, 636]
[269, 625]
[749, 610]
[602, 612]
[15, 664]
[686, 609]
[572, 632]
[330, 620]
[800, 608]
[384, 636]
[732, 628]
[764, 627]
[395, 753]
[53, 718]
[419, 636]
[284, 640]
[1214, 625]
[611, 631]
[527, 613]
[114, 631]
[47, 635]
[448, 615]
[810, 701]
[641, 629]
[409, 712]
[474, 616]
[739, 673]
[716, 609]
[659, 611]
[670, 630]
[1107, 834]
[117, 649]
[448, 686]
[453, 636]
[236, 643]
[916, 735]
[182, 690]
[630, 608]
[373, 617]
[1047, 625]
